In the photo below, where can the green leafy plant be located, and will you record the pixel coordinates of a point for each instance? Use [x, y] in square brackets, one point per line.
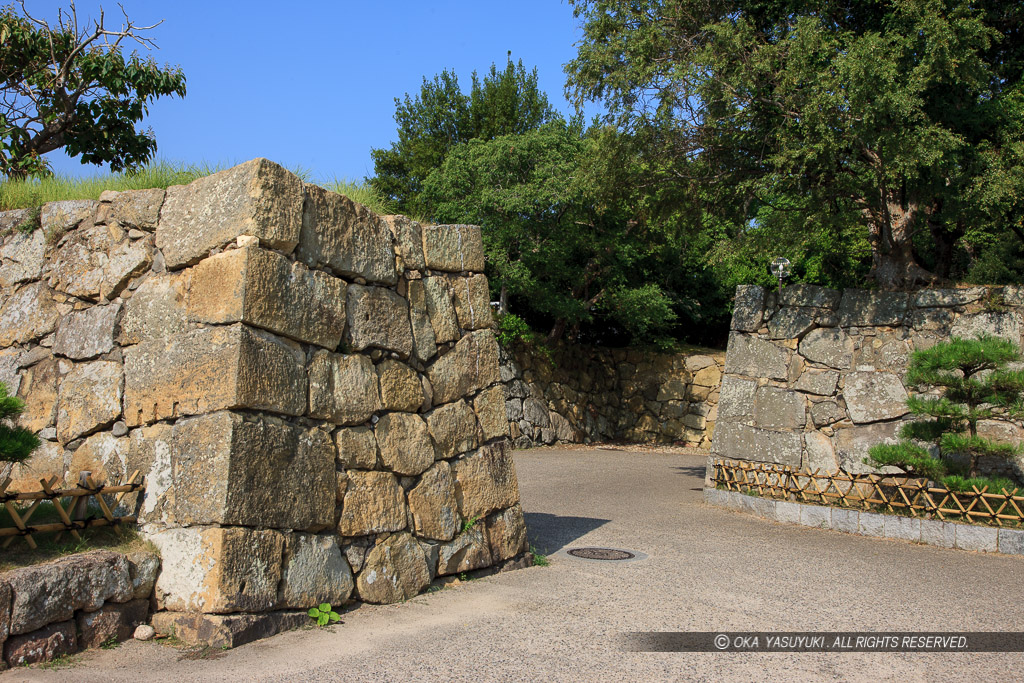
[539, 558]
[512, 329]
[324, 614]
[110, 643]
[468, 524]
[16, 443]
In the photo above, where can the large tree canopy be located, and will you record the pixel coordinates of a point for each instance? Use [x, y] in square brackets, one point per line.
[826, 126]
[70, 86]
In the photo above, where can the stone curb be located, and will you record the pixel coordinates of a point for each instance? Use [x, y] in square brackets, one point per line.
[927, 531]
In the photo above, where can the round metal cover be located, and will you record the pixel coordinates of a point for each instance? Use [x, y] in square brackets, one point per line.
[601, 554]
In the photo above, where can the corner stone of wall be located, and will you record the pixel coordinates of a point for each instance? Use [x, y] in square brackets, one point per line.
[814, 376]
[308, 388]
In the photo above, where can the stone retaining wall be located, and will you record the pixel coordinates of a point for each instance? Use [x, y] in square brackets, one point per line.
[311, 390]
[584, 394]
[815, 377]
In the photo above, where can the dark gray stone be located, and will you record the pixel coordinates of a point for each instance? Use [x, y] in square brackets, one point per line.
[748, 355]
[947, 297]
[810, 295]
[828, 346]
[819, 383]
[825, 413]
[739, 441]
[931, 319]
[1005, 325]
[748, 311]
[874, 396]
[736, 400]
[867, 308]
[791, 323]
[777, 408]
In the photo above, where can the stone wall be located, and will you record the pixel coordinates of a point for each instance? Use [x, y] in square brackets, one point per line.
[311, 390]
[814, 377]
[586, 394]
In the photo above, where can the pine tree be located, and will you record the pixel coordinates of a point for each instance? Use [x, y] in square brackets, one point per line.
[16, 443]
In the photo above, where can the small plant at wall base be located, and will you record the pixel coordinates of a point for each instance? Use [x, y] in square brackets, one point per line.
[324, 614]
[973, 383]
[16, 443]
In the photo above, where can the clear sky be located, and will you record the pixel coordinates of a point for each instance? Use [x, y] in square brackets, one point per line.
[311, 83]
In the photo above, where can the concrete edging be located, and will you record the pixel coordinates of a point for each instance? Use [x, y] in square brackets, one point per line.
[927, 531]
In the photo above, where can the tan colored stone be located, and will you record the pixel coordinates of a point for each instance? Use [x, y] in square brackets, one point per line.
[453, 248]
[47, 461]
[314, 573]
[400, 386]
[87, 333]
[114, 622]
[230, 471]
[440, 309]
[218, 570]
[710, 376]
[22, 257]
[149, 452]
[454, 428]
[405, 444]
[357, 448]
[104, 455]
[486, 480]
[408, 236]
[76, 268]
[256, 198]
[39, 391]
[265, 289]
[137, 208]
[125, 261]
[472, 302]
[30, 313]
[208, 369]
[432, 503]
[378, 317]
[465, 552]
[472, 365]
[490, 410]
[342, 388]
[89, 398]
[156, 309]
[395, 570]
[374, 504]
[423, 339]
[506, 534]
[59, 217]
[346, 237]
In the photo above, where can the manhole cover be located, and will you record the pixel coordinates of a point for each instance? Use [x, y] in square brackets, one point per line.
[601, 554]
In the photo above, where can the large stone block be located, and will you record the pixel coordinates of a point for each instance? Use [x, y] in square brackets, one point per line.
[346, 237]
[432, 503]
[506, 534]
[47, 461]
[29, 313]
[453, 248]
[22, 257]
[207, 369]
[869, 308]
[395, 570]
[265, 289]
[454, 428]
[741, 442]
[257, 198]
[400, 386]
[748, 355]
[874, 396]
[828, 346]
[103, 455]
[136, 208]
[374, 503]
[820, 453]
[113, 621]
[157, 309]
[408, 236]
[227, 470]
[227, 630]
[314, 572]
[852, 444]
[149, 452]
[89, 398]
[424, 340]
[218, 570]
[736, 400]
[125, 260]
[818, 382]
[76, 267]
[486, 480]
[927, 298]
[43, 645]
[466, 552]
[790, 323]
[1006, 325]
[39, 391]
[343, 388]
[472, 301]
[87, 333]
[809, 295]
[490, 410]
[378, 317]
[440, 309]
[472, 365]
[405, 444]
[748, 310]
[777, 408]
[357, 448]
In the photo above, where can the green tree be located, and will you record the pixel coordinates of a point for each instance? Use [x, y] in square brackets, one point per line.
[16, 443]
[503, 102]
[968, 381]
[824, 125]
[70, 86]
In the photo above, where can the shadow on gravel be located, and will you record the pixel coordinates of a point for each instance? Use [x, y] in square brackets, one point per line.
[550, 533]
[691, 470]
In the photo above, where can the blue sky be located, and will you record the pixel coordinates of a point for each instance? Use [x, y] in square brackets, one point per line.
[312, 83]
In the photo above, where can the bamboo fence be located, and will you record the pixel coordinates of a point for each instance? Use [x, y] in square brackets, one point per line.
[899, 494]
[74, 515]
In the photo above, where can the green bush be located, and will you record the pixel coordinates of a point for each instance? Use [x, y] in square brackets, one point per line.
[16, 443]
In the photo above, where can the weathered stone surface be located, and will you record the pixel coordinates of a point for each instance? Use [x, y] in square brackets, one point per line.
[314, 572]
[136, 208]
[54, 591]
[947, 297]
[59, 217]
[472, 302]
[230, 471]
[47, 461]
[89, 398]
[395, 570]
[790, 323]
[125, 261]
[977, 538]
[470, 366]
[346, 237]
[852, 444]
[256, 198]
[874, 396]
[374, 503]
[536, 412]
[454, 428]
[809, 295]
[711, 376]
[405, 444]
[39, 391]
[736, 401]
[820, 454]
[817, 516]
[41, 646]
[22, 257]
[931, 319]
[748, 310]
[30, 313]
[486, 480]
[1005, 325]
[467, 551]
[902, 528]
[440, 309]
[408, 236]
[433, 506]
[490, 410]
[939, 533]
[818, 382]
[76, 267]
[674, 387]
[378, 317]
[828, 346]
[144, 632]
[149, 452]
[103, 455]
[506, 534]
[87, 333]
[564, 431]
[424, 341]
[227, 630]
[9, 366]
[777, 408]
[826, 412]
[868, 308]
[113, 621]
[267, 290]
[357, 448]
[156, 309]
[1011, 542]
[753, 357]
[400, 386]
[738, 441]
[343, 389]
[453, 248]
[217, 570]
[143, 568]
[207, 369]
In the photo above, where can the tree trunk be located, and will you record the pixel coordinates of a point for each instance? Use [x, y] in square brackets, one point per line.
[503, 300]
[890, 234]
[557, 330]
